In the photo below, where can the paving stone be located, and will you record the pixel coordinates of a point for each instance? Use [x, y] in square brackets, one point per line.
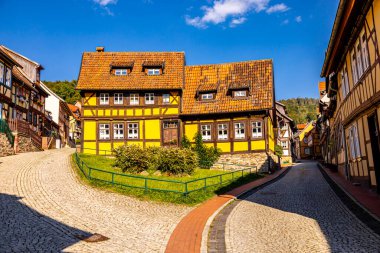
[299, 213]
[45, 208]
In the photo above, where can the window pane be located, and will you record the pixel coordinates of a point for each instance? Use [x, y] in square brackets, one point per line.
[149, 98]
[166, 98]
[222, 132]
[1, 73]
[8, 78]
[104, 98]
[206, 132]
[104, 131]
[134, 99]
[239, 130]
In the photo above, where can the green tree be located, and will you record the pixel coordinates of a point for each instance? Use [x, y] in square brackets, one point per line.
[65, 89]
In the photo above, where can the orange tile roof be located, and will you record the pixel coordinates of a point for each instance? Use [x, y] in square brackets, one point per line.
[95, 73]
[255, 75]
[301, 126]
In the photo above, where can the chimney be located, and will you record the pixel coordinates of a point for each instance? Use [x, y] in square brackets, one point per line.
[99, 49]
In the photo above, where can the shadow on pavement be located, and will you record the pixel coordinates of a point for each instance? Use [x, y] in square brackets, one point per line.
[23, 229]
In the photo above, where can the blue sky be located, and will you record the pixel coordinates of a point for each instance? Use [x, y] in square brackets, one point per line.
[294, 33]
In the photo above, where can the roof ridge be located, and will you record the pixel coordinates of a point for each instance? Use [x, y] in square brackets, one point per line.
[229, 63]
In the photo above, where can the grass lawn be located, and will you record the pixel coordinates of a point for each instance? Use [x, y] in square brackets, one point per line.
[195, 182]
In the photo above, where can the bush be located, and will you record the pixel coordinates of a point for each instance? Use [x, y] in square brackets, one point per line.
[278, 150]
[185, 142]
[177, 161]
[207, 155]
[132, 158]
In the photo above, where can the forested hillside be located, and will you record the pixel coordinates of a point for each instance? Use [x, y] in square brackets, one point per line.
[65, 89]
[301, 110]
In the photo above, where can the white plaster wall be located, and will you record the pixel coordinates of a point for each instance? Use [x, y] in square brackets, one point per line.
[52, 105]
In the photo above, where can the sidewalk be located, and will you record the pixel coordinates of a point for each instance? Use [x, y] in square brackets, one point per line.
[369, 200]
[187, 236]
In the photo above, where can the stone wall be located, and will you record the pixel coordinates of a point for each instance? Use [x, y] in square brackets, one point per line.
[5, 147]
[264, 162]
[25, 144]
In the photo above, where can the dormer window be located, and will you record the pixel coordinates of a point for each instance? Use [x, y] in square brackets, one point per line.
[121, 72]
[154, 72]
[240, 94]
[207, 96]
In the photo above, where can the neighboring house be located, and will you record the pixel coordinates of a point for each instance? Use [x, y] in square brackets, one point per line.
[154, 99]
[303, 151]
[351, 117]
[60, 117]
[285, 130]
[24, 109]
[75, 125]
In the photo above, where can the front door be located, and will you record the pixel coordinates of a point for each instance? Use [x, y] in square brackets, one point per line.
[170, 133]
[375, 143]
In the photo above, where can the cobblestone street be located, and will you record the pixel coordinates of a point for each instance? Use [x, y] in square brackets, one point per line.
[298, 213]
[43, 208]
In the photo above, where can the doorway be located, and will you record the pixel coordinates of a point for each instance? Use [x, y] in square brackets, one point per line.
[373, 126]
[170, 133]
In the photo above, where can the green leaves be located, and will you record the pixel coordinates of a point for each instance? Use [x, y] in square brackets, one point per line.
[65, 89]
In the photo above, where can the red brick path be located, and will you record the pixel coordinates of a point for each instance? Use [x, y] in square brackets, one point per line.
[187, 236]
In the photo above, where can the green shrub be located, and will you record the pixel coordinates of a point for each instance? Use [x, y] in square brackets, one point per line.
[132, 158]
[207, 155]
[185, 142]
[278, 150]
[177, 161]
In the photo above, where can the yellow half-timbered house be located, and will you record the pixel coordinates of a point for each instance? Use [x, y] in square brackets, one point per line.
[350, 116]
[154, 99]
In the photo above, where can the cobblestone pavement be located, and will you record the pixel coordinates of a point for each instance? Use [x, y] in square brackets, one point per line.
[299, 213]
[44, 208]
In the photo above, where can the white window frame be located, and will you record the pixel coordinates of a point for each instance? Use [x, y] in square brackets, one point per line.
[133, 130]
[121, 72]
[118, 98]
[134, 99]
[153, 72]
[239, 130]
[2, 73]
[104, 99]
[206, 132]
[359, 62]
[240, 93]
[365, 55]
[104, 131]
[222, 131]
[118, 131]
[8, 78]
[257, 129]
[149, 98]
[284, 144]
[354, 67]
[207, 96]
[345, 84]
[166, 98]
[354, 142]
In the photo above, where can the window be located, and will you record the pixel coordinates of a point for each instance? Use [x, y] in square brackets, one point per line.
[257, 129]
[240, 93]
[365, 56]
[353, 66]
[8, 78]
[354, 142]
[1, 73]
[166, 98]
[239, 131]
[153, 72]
[307, 151]
[121, 72]
[222, 132]
[134, 99]
[206, 132]
[133, 130]
[359, 58]
[104, 131]
[344, 81]
[118, 131]
[118, 98]
[104, 98]
[207, 96]
[284, 144]
[149, 98]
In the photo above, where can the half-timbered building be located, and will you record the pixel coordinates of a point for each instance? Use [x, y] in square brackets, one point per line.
[350, 123]
[154, 99]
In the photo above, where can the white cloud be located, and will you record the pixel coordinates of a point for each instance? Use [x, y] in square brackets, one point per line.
[285, 22]
[105, 2]
[277, 8]
[235, 10]
[237, 21]
[298, 19]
